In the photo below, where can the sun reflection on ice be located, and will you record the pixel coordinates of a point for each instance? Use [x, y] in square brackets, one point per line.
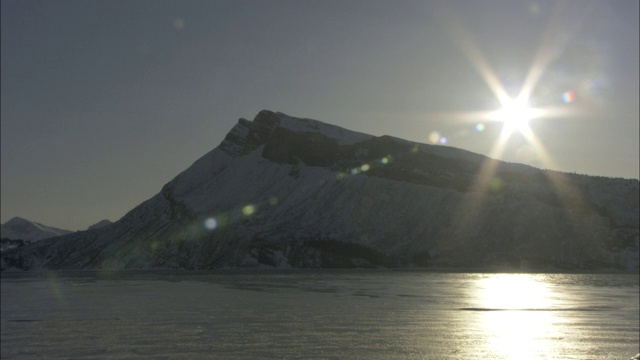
[513, 292]
[517, 315]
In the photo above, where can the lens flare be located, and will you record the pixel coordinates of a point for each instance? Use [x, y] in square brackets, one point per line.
[56, 289]
[495, 184]
[248, 210]
[569, 97]
[211, 223]
[434, 137]
[178, 23]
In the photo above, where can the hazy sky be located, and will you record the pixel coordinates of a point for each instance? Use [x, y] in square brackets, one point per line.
[103, 102]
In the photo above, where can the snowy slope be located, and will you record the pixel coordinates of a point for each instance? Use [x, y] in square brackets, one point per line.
[296, 193]
[23, 229]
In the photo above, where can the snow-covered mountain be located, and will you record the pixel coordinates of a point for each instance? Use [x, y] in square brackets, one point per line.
[286, 192]
[22, 229]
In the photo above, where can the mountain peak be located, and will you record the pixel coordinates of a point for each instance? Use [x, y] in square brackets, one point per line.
[247, 135]
[16, 220]
[99, 224]
[21, 228]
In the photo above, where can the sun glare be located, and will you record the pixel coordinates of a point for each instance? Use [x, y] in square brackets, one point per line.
[515, 114]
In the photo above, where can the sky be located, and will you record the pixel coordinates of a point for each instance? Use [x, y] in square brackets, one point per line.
[103, 102]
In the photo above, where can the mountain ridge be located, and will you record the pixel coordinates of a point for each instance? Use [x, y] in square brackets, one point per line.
[285, 192]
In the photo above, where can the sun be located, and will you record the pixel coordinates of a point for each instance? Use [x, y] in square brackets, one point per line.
[515, 116]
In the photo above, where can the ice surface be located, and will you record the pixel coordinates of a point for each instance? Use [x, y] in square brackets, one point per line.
[357, 314]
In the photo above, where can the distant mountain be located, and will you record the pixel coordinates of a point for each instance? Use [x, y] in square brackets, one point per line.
[100, 224]
[284, 192]
[23, 229]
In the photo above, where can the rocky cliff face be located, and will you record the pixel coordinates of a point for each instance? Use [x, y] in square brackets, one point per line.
[297, 193]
